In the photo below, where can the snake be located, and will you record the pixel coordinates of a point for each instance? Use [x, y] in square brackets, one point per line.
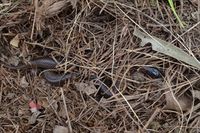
[57, 79]
[44, 63]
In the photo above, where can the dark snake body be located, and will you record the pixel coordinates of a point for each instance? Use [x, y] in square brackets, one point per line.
[53, 78]
[44, 63]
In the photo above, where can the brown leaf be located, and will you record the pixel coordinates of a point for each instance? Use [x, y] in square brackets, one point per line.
[55, 8]
[49, 8]
[21, 112]
[62, 113]
[34, 116]
[43, 102]
[23, 82]
[60, 129]
[196, 94]
[14, 60]
[138, 77]
[73, 3]
[54, 104]
[183, 102]
[195, 2]
[10, 95]
[15, 41]
[88, 88]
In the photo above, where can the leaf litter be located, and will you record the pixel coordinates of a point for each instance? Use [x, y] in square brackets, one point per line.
[48, 28]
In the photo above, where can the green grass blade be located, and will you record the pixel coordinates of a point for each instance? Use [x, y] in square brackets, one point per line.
[174, 11]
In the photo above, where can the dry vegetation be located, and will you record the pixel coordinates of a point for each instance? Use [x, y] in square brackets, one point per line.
[96, 38]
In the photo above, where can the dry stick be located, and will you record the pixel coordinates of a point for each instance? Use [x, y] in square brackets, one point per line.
[176, 101]
[65, 106]
[41, 45]
[1, 93]
[43, 127]
[113, 51]
[176, 39]
[36, 9]
[151, 118]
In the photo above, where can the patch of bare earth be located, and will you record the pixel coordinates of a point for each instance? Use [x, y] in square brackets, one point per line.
[96, 38]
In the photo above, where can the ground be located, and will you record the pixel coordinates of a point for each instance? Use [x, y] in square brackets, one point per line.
[148, 91]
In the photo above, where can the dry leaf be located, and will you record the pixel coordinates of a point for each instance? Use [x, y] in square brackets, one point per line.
[62, 113]
[175, 103]
[195, 15]
[10, 95]
[54, 104]
[196, 94]
[139, 77]
[195, 2]
[15, 41]
[14, 60]
[43, 102]
[34, 117]
[166, 48]
[21, 112]
[60, 129]
[73, 3]
[124, 31]
[23, 82]
[49, 8]
[55, 8]
[88, 88]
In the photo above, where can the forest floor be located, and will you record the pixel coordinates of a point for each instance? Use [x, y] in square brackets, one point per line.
[121, 85]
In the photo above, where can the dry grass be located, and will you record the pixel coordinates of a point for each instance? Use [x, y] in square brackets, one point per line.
[96, 38]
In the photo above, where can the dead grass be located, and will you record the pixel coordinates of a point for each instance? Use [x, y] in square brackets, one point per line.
[96, 38]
